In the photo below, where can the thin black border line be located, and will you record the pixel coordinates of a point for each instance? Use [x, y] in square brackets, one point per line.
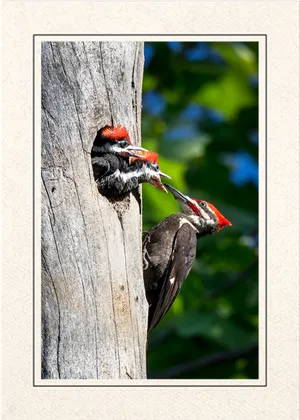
[266, 211]
[166, 35]
[33, 204]
[148, 386]
[266, 235]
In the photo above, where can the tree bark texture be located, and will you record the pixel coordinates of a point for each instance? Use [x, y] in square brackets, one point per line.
[94, 310]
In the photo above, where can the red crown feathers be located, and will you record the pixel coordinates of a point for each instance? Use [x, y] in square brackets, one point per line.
[222, 221]
[146, 156]
[115, 133]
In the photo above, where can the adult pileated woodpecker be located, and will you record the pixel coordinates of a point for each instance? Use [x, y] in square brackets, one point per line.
[169, 250]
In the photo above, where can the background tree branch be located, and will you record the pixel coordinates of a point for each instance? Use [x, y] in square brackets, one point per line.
[212, 359]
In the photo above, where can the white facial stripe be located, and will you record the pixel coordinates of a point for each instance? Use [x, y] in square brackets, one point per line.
[151, 172]
[207, 216]
[203, 213]
[125, 176]
[183, 221]
[210, 222]
[212, 214]
[115, 148]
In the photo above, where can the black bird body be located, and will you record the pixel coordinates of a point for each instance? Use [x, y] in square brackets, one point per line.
[108, 163]
[115, 175]
[169, 250]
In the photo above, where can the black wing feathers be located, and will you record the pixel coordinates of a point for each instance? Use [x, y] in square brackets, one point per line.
[180, 263]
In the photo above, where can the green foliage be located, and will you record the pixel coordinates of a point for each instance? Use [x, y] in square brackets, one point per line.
[211, 331]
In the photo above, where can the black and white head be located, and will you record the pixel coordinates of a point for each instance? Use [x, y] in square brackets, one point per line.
[114, 140]
[204, 216]
[147, 163]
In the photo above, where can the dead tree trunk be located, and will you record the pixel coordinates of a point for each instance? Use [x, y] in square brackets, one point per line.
[94, 311]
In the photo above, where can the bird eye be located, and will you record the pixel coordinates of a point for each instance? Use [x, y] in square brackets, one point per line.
[203, 204]
[122, 143]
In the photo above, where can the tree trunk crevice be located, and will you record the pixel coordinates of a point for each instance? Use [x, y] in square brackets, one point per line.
[94, 310]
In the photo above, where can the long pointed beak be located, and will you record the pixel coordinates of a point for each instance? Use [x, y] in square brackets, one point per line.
[165, 175]
[177, 194]
[132, 151]
[135, 149]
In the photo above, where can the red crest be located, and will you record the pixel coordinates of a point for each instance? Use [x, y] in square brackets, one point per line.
[115, 133]
[222, 221]
[146, 156]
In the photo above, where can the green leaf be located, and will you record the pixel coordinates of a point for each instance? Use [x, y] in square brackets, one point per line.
[238, 56]
[213, 327]
[230, 94]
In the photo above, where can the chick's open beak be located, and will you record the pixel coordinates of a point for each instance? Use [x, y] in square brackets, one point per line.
[156, 182]
[164, 175]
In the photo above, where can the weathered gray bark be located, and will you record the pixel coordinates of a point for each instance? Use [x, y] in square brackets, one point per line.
[94, 311]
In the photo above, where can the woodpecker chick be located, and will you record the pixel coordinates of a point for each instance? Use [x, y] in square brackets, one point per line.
[169, 250]
[125, 177]
[152, 158]
[145, 155]
[114, 140]
[111, 149]
[120, 167]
